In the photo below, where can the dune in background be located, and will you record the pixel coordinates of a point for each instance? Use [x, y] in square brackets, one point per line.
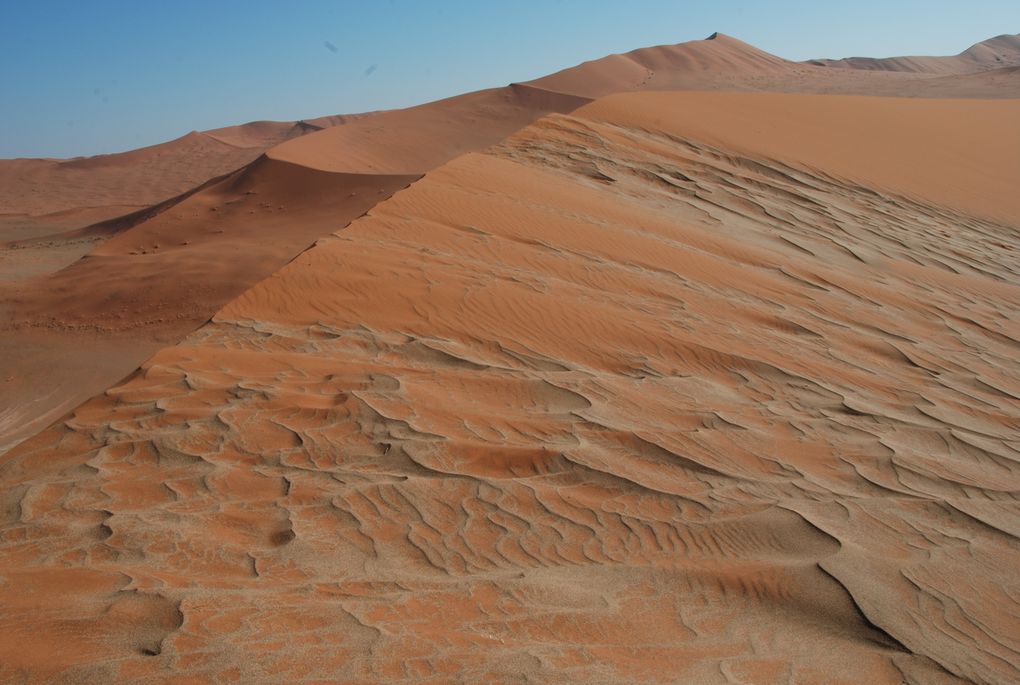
[995, 53]
[54, 211]
[722, 62]
[142, 177]
[603, 378]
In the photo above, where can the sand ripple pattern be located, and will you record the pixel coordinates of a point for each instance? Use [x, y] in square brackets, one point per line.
[600, 405]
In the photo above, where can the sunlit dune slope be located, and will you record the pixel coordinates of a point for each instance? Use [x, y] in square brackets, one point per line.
[618, 400]
[416, 139]
[718, 57]
[960, 154]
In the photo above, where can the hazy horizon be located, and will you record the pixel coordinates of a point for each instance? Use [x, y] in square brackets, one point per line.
[111, 76]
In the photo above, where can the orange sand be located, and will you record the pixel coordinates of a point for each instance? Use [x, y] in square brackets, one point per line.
[678, 387]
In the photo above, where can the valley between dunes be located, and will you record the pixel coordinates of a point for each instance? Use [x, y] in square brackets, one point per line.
[589, 380]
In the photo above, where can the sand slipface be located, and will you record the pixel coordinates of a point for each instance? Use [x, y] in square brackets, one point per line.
[678, 387]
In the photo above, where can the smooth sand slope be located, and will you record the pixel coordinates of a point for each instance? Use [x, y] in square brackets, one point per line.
[417, 139]
[956, 153]
[641, 394]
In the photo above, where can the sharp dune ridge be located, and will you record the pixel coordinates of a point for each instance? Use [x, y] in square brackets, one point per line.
[605, 377]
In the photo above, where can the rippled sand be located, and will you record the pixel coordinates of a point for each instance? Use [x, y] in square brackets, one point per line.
[641, 394]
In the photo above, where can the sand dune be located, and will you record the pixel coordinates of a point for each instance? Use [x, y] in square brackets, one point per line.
[992, 83]
[417, 139]
[960, 154]
[721, 62]
[614, 401]
[148, 278]
[994, 53]
[42, 186]
[414, 140]
[519, 386]
[54, 211]
[158, 277]
[137, 178]
[713, 60]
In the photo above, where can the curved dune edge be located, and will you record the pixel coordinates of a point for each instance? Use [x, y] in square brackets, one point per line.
[607, 403]
[417, 139]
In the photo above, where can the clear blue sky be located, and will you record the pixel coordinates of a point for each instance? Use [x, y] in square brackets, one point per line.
[94, 76]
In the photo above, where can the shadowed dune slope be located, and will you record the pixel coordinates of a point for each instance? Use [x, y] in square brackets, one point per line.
[612, 402]
[205, 249]
[52, 211]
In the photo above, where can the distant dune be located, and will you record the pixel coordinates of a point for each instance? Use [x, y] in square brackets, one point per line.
[994, 53]
[717, 57]
[139, 177]
[606, 377]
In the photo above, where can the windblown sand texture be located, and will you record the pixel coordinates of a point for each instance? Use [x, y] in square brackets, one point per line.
[610, 379]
